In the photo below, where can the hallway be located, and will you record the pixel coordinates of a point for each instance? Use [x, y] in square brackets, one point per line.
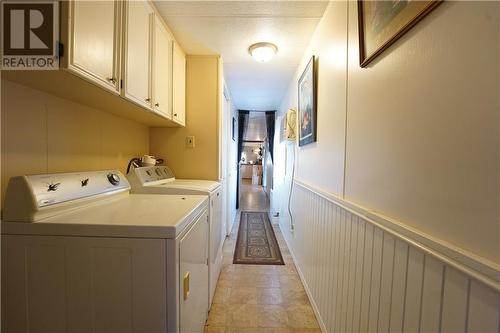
[259, 298]
[253, 197]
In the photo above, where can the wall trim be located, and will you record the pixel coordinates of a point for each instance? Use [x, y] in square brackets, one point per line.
[472, 265]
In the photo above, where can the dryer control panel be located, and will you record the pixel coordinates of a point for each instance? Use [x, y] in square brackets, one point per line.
[146, 175]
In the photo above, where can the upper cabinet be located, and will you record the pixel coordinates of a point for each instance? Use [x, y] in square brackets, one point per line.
[179, 86]
[138, 41]
[93, 36]
[162, 70]
[117, 56]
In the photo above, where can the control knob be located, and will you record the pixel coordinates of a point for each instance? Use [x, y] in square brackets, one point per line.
[114, 179]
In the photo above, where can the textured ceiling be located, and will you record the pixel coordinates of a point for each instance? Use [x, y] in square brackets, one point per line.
[230, 27]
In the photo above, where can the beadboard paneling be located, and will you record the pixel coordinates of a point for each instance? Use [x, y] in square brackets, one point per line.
[362, 278]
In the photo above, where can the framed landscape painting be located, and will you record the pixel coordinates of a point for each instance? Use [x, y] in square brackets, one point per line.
[381, 23]
[307, 104]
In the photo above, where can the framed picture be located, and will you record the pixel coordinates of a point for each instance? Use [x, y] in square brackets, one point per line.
[381, 23]
[307, 104]
[233, 129]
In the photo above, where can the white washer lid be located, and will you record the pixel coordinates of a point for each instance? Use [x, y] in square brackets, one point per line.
[195, 184]
[136, 215]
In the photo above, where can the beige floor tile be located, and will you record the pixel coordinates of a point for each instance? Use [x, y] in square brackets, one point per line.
[221, 294]
[294, 297]
[256, 330]
[244, 280]
[218, 315]
[269, 296]
[228, 269]
[272, 316]
[267, 281]
[242, 295]
[301, 316]
[259, 298]
[242, 315]
[290, 281]
[247, 269]
[210, 329]
[225, 281]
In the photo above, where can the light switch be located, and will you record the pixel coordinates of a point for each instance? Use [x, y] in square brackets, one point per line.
[190, 141]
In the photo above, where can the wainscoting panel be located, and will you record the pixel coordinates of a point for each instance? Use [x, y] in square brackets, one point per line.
[361, 277]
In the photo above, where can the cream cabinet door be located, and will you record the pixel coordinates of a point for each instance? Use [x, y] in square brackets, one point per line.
[137, 57]
[162, 70]
[95, 41]
[179, 85]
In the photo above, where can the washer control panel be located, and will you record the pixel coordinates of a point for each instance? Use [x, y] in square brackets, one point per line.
[55, 188]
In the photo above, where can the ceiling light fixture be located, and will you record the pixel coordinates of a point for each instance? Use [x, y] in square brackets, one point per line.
[263, 52]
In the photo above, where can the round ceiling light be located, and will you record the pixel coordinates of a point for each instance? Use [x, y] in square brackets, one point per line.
[263, 52]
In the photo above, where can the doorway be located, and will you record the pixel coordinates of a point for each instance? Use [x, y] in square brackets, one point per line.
[252, 164]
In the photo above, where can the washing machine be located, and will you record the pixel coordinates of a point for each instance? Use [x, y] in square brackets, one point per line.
[161, 180]
[81, 254]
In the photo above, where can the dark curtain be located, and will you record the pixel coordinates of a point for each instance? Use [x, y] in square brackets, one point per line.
[270, 120]
[242, 127]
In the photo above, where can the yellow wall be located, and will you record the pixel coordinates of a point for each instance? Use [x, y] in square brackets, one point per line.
[202, 117]
[42, 133]
[416, 135]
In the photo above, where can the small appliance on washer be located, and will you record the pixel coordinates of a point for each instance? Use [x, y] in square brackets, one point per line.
[161, 180]
[81, 254]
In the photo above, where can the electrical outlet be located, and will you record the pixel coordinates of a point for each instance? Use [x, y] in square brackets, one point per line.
[190, 141]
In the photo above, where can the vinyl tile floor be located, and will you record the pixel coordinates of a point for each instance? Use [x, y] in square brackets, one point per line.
[260, 298]
[253, 197]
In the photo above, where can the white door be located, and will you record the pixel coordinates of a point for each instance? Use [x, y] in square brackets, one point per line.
[162, 64]
[137, 71]
[193, 277]
[179, 85]
[95, 42]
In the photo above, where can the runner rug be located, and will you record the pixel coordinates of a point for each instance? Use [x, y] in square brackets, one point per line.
[256, 243]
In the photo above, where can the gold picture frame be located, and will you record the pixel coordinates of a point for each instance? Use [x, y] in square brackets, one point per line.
[381, 23]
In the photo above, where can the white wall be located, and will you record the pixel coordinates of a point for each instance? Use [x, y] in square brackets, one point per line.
[42, 133]
[413, 143]
[424, 146]
[420, 126]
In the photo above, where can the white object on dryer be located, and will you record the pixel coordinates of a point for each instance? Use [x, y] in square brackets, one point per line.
[79, 253]
[161, 180]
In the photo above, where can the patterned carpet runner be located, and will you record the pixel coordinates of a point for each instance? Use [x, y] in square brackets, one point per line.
[256, 243]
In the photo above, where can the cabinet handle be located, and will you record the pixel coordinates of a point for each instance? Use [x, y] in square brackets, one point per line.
[147, 99]
[186, 285]
[111, 79]
[175, 114]
[157, 104]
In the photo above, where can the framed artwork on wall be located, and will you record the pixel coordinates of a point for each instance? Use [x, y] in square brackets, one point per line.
[307, 104]
[381, 23]
[233, 129]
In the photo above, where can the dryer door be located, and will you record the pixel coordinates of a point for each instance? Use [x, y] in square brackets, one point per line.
[193, 279]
